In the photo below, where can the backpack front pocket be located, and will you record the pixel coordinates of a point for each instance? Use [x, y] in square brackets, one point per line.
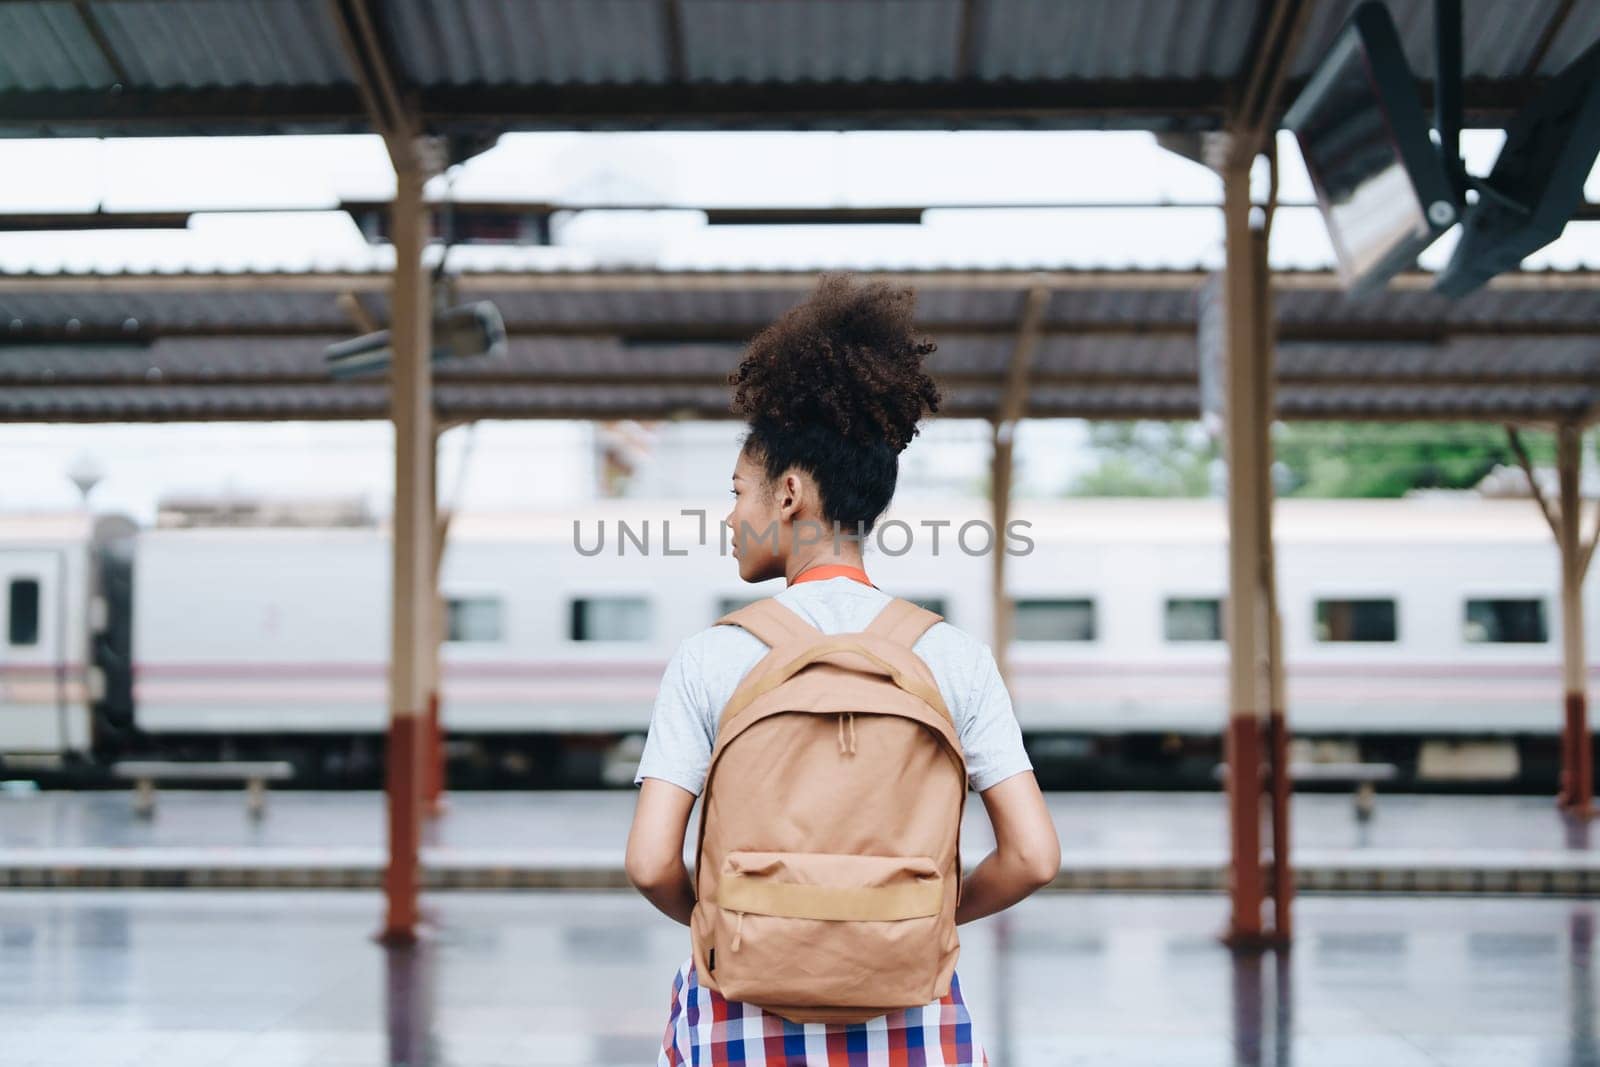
[816, 928]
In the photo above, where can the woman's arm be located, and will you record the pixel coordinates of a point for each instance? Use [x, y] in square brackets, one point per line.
[654, 861]
[1027, 852]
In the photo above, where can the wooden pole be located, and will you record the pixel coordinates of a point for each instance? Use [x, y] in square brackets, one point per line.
[1013, 405]
[1244, 393]
[411, 403]
[1281, 887]
[433, 766]
[1576, 793]
[1000, 514]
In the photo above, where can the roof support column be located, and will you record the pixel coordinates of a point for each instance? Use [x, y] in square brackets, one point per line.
[1255, 671]
[1249, 626]
[1001, 437]
[1280, 888]
[1575, 792]
[1013, 404]
[433, 763]
[413, 590]
[413, 535]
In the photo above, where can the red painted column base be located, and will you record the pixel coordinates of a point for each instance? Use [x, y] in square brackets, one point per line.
[433, 763]
[1280, 888]
[1576, 795]
[403, 875]
[1242, 745]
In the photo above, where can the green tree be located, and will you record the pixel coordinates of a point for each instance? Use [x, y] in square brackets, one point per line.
[1148, 459]
[1311, 459]
[1378, 459]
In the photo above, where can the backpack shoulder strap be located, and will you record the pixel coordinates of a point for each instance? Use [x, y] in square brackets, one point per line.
[785, 633]
[903, 622]
[770, 621]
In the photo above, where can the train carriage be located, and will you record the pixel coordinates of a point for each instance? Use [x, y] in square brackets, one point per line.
[1406, 623]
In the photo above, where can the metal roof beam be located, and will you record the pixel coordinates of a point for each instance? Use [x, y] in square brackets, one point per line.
[40, 221]
[102, 43]
[177, 112]
[1331, 334]
[135, 379]
[1152, 104]
[1087, 104]
[231, 407]
[1552, 27]
[1328, 332]
[1014, 399]
[797, 282]
[1253, 119]
[967, 44]
[672, 40]
[392, 114]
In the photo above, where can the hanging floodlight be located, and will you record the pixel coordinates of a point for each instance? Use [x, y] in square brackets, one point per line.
[1380, 181]
[1537, 182]
[463, 332]
[1387, 190]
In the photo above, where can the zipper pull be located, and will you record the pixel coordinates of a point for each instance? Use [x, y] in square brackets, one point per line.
[738, 930]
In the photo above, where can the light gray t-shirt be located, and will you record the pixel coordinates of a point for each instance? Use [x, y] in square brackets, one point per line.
[707, 667]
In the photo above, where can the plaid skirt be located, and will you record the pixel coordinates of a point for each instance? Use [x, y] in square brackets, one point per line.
[706, 1030]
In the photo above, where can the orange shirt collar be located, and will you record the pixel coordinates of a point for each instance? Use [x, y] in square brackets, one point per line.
[832, 570]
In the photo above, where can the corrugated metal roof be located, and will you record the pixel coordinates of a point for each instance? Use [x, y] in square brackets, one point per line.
[143, 309]
[1581, 29]
[1116, 40]
[48, 47]
[641, 344]
[1498, 39]
[504, 42]
[198, 44]
[1162, 64]
[756, 41]
[1530, 301]
[169, 44]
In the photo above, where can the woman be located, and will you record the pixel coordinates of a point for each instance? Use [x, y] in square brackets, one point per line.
[833, 392]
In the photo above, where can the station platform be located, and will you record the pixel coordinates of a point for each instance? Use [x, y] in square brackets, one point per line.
[1147, 842]
[275, 979]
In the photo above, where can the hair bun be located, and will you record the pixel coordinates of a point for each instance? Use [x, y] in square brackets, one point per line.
[848, 358]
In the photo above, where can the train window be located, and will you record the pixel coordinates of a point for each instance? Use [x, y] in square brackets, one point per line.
[1193, 619]
[1053, 620]
[22, 624]
[1356, 620]
[611, 618]
[476, 618]
[1510, 621]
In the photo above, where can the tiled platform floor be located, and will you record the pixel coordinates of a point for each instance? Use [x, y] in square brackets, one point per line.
[265, 979]
[1112, 824]
[1110, 842]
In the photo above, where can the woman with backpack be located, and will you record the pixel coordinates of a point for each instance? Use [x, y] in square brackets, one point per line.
[833, 731]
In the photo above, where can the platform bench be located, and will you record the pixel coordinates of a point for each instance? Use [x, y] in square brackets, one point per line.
[1364, 776]
[255, 776]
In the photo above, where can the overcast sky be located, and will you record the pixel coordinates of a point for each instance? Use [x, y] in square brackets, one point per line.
[308, 176]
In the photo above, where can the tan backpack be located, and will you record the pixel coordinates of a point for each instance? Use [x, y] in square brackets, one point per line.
[828, 866]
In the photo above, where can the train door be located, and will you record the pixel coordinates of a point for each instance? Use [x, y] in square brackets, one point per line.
[36, 716]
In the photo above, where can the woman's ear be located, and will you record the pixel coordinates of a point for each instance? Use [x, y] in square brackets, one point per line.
[790, 494]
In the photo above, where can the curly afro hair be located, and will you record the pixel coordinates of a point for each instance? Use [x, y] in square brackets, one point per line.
[835, 386]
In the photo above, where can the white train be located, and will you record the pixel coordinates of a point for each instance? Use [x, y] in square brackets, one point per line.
[1406, 623]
